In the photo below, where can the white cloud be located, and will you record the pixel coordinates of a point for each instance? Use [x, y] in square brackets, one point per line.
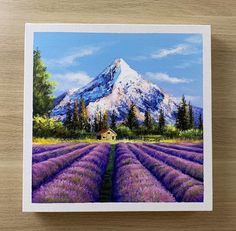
[163, 77]
[179, 49]
[188, 47]
[73, 56]
[71, 80]
[197, 39]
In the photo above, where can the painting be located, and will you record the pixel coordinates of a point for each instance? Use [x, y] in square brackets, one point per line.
[117, 118]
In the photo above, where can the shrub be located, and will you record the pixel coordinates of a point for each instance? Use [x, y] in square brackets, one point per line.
[48, 127]
[81, 134]
[171, 131]
[194, 134]
[124, 132]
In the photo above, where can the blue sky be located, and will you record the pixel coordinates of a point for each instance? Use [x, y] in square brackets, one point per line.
[172, 61]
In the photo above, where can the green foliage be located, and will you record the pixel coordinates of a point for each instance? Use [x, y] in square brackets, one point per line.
[182, 120]
[83, 117]
[185, 116]
[195, 134]
[47, 127]
[124, 132]
[100, 121]
[105, 120]
[75, 119]
[161, 122]
[96, 123]
[147, 119]
[142, 130]
[131, 120]
[190, 116]
[113, 119]
[81, 134]
[171, 131]
[68, 120]
[151, 138]
[42, 87]
[200, 122]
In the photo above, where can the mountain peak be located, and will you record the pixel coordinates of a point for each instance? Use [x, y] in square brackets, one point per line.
[120, 63]
[114, 89]
[122, 71]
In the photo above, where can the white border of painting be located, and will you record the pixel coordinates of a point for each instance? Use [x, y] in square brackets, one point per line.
[28, 206]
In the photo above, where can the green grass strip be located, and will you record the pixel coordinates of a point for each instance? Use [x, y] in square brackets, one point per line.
[106, 192]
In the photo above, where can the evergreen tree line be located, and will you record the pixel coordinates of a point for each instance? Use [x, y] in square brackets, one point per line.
[77, 119]
[185, 117]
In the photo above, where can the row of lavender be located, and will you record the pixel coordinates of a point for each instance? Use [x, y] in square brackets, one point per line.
[142, 172]
[163, 173]
[81, 181]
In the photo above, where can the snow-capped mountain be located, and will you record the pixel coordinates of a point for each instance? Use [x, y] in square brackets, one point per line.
[115, 89]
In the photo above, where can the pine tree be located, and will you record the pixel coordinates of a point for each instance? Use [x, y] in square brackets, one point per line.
[42, 87]
[132, 121]
[68, 120]
[113, 119]
[182, 120]
[88, 126]
[96, 123]
[161, 122]
[100, 121]
[200, 122]
[190, 116]
[83, 118]
[105, 120]
[147, 119]
[75, 119]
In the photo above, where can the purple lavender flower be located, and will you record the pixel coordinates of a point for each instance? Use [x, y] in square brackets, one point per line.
[44, 170]
[81, 182]
[38, 148]
[193, 156]
[200, 145]
[183, 147]
[173, 179]
[58, 152]
[188, 167]
[133, 182]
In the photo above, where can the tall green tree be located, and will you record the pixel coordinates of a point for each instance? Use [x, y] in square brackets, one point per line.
[131, 120]
[113, 119]
[42, 87]
[161, 122]
[68, 120]
[89, 125]
[83, 117]
[75, 118]
[96, 122]
[147, 119]
[105, 120]
[99, 121]
[200, 122]
[182, 120]
[190, 116]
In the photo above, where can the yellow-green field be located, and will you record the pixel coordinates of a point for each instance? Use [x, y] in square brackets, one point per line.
[56, 140]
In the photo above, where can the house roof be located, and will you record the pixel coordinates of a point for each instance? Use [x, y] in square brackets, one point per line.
[106, 130]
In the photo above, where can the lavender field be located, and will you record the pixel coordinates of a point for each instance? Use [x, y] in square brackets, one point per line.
[125, 172]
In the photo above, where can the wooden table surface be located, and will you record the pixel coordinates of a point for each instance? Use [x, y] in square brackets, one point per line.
[220, 14]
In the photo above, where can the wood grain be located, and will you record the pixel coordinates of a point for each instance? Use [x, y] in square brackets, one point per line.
[220, 14]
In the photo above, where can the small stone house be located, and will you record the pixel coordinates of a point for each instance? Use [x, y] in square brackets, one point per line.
[106, 134]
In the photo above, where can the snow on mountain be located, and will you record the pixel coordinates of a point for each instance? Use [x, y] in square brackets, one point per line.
[115, 89]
